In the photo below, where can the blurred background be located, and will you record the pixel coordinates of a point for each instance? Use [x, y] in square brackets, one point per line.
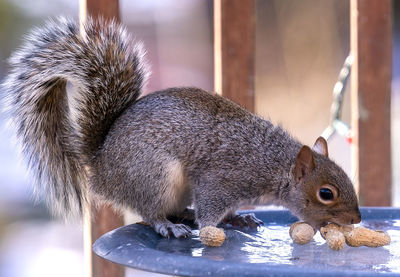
[300, 48]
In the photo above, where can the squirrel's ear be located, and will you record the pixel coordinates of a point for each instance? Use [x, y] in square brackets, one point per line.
[304, 162]
[321, 146]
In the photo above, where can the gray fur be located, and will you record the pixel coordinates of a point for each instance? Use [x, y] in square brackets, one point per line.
[157, 154]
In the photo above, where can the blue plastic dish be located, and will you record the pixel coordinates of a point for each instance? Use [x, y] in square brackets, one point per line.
[268, 251]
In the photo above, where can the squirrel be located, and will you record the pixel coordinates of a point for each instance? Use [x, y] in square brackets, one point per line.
[159, 153]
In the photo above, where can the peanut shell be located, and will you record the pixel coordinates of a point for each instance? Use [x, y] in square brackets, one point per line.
[361, 236]
[335, 239]
[212, 236]
[342, 228]
[301, 232]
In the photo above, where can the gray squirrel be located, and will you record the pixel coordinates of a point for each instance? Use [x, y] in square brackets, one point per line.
[159, 153]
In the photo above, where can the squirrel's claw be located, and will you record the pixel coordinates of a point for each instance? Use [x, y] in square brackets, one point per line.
[168, 229]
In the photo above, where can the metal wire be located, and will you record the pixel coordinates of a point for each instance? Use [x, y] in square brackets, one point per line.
[336, 124]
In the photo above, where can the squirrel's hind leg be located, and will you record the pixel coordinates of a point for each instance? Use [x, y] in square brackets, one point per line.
[175, 192]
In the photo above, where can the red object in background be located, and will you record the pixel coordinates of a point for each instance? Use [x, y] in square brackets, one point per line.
[349, 137]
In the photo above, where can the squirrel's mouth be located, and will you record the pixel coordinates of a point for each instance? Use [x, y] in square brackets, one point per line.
[343, 218]
[347, 218]
[318, 225]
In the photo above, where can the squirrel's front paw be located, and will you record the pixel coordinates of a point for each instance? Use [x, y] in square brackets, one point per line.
[243, 221]
[168, 229]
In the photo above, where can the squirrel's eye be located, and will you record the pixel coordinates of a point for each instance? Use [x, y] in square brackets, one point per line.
[326, 194]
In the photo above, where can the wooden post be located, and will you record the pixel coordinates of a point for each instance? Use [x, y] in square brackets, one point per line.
[234, 49]
[100, 220]
[371, 45]
[108, 9]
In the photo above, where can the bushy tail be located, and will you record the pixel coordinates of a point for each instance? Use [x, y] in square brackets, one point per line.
[61, 133]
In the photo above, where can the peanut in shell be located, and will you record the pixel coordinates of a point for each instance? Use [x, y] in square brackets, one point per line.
[361, 236]
[335, 239]
[333, 226]
[212, 236]
[301, 232]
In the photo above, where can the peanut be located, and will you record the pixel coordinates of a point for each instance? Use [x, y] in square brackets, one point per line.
[301, 232]
[355, 237]
[361, 236]
[335, 239]
[342, 228]
[212, 236]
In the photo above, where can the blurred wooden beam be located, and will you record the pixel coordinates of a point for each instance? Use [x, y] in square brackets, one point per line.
[108, 9]
[234, 49]
[371, 45]
[99, 220]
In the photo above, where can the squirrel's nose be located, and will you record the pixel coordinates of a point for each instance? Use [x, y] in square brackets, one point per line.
[356, 218]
